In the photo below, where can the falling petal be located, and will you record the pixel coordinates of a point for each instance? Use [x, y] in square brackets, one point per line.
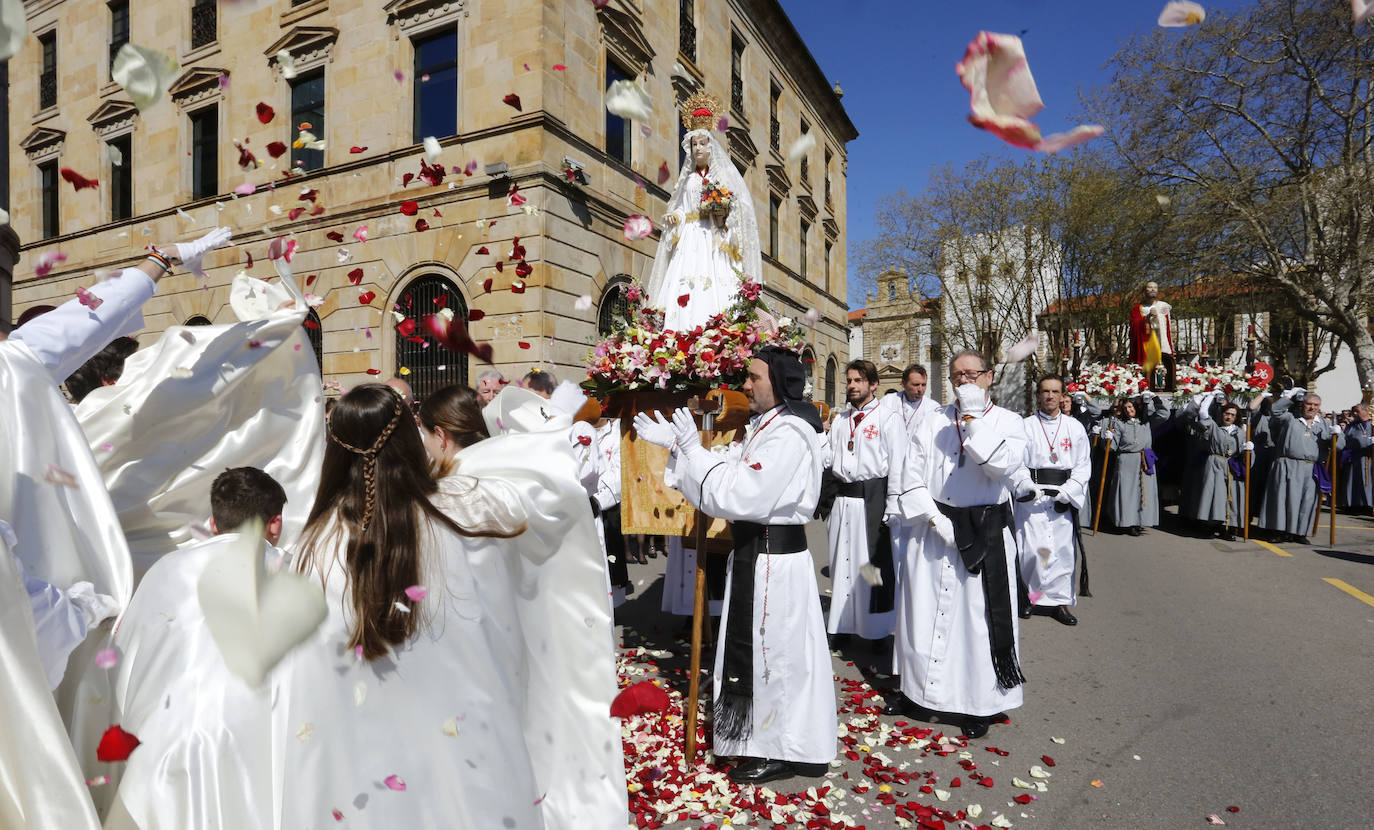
[1072, 138]
[637, 227]
[287, 64]
[106, 658]
[14, 27]
[144, 73]
[98, 781]
[76, 180]
[116, 745]
[88, 299]
[113, 154]
[246, 189]
[303, 734]
[801, 146]
[1024, 348]
[264, 112]
[62, 478]
[400, 606]
[338, 816]
[1361, 9]
[512, 100]
[663, 173]
[432, 149]
[46, 261]
[359, 694]
[583, 303]
[395, 782]
[416, 592]
[1183, 13]
[450, 727]
[628, 99]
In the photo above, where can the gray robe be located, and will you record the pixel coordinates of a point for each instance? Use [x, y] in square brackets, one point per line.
[1132, 498]
[1290, 497]
[1355, 476]
[1216, 495]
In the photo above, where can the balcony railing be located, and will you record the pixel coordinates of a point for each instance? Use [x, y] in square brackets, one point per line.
[737, 95]
[47, 89]
[774, 134]
[687, 32]
[827, 191]
[805, 171]
[204, 24]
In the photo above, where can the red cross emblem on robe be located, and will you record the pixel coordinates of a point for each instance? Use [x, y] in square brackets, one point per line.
[1066, 445]
[871, 431]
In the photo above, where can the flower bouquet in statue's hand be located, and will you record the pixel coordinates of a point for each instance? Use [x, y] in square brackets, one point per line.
[715, 200]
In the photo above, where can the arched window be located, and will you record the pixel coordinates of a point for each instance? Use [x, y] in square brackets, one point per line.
[431, 365]
[614, 311]
[830, 370]
[808, 359]
[315, 334]
[32, 312]
[197, 320]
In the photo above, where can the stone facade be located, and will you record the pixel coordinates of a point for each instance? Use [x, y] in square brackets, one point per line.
[744, 50]
[899, 329]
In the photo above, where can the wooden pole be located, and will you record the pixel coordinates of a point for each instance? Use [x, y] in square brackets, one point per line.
[1102, 482]
[1335, 471]
[1246, 506]
[698, 621]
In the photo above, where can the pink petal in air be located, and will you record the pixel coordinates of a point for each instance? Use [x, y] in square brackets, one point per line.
[395, 782]
[1182, 13]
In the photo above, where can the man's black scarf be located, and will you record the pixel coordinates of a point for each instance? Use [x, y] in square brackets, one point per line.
[978, 536]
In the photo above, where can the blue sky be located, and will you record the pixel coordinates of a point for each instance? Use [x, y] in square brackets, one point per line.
[895, 60]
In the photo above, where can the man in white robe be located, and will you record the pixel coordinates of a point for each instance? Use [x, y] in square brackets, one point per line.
[864, 454]
[204, 760]
[606, 507]
[956, 646]
[913, 406]
[1059, 461]
[773, 682]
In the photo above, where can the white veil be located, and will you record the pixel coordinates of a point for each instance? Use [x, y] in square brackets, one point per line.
[741, 224]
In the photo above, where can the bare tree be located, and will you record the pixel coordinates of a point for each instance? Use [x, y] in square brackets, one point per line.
[1260, 125]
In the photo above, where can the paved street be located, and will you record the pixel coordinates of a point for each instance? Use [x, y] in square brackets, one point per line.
[1202, 675]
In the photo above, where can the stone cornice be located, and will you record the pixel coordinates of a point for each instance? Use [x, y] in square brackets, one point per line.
[112, 117]
[309, 46]
[196, 85]
[414, 16]
[42, 143]
[624, 36]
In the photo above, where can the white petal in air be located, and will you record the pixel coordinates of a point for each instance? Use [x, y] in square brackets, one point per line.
[1361, 9]
[1024, 348]
[287, 64]
[628, 99]
[14, 27]
[432, 149]
[1074, 137]
[144, 73]
[583, 303]
[801, 146]
[1183, 13]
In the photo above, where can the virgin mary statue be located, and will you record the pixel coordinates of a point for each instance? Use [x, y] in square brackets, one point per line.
[710, 234]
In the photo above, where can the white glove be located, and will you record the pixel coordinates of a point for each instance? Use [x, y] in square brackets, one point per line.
[1097, 429]
[1248, 446]
[943, 528]
[1266, 394]
[191, 253]
[1080, 397]
[1108, 435]
[1148, 395]
[685, 429]
[972, 399]
[94, 607]
[656, 430]
[1027, 489]
[1062, 497]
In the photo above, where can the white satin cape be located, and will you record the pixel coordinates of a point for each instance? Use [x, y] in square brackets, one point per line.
[41, 787]
[556, 582]
[205, 757]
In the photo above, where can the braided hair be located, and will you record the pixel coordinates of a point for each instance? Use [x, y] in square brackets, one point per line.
[376, 487]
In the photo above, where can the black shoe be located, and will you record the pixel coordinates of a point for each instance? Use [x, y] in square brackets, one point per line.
[804, 770]
[1025, 612]
[760, 771]
[1064, 615]
[897, 704]
[838, 641]
[1226, 536]
[1135, 531]
[974, 726]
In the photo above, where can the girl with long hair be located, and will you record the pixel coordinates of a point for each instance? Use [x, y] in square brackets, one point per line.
[399, 711]
[450, 421]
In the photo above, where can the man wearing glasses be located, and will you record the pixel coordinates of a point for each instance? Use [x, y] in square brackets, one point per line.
[956, 646]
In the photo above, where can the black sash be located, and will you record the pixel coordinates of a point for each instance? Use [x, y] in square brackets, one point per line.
[1055, 477]
[615, 546]
[733, 710]
[873, 491]
[978, 536]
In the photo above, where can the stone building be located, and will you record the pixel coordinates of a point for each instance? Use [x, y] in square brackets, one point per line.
[897, 328]
[513, 92]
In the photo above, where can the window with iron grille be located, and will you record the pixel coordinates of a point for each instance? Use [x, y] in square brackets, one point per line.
[119, 27]
[618, 137]
[432, 366]
[805, 159]
[122, 179]
[197, 320]
[687, 29]
[307, 107]
[830, 381]
[774, 128]
[435, 85]
[204, 23]
[805, 232]
[614, 311]
[828, 249]
[47, 81]
[204, 150]
[314, 332]
[808, 360]
[47, 183]
[736, 74]
[828, 158]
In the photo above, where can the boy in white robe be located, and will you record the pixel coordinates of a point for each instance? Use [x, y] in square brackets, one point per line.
[956, 646]
[205, 755]
[1059, 461]
[773, 683]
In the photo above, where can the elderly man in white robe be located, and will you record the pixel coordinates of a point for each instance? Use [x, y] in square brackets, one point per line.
[773, 683]
[864, 451]
[956, 645]
[1059, 463]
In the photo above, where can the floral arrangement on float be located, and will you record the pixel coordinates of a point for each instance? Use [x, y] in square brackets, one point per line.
[1110, 380]
[1120, 380]
[642, 355]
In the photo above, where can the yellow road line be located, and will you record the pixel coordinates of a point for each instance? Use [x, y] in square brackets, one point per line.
[1273, 548]
[1351, 590]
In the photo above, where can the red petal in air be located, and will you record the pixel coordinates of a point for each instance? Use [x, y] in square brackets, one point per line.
[522, 344]
[115, 745]
[441, 301]
[558, 67]
[513, 100]
[406, 327]
[405, 178]
[517, 287]
[374, 371]
[663, 173]
[294, 213]
[356, 150]
[684, 300]
[265, 112]
[311, 324]
[486, 285]
[453, 335]
[77, 181]
[409, 208]
[310, 279]
[483, 250]
[475, 314]
[276, 149]
[334, 236]
[421, 225]
[367, 297]
[523, 269]
[356, 276]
